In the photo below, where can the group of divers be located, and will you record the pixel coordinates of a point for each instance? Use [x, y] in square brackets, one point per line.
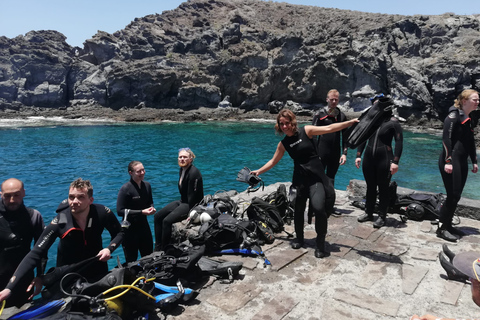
[317, 151]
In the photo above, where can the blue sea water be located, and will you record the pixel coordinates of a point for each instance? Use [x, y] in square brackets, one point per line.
[48, 158]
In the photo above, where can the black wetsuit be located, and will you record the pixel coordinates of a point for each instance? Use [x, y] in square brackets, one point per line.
[329, 146]
[75, 244]
[17, 230]
[458, 144]
[310, 182]
[138, 236]
[376, 163]
[191, 193]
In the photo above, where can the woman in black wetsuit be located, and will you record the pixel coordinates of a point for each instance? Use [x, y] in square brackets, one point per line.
[190, 185]
[458, 144]
[135, 202]
[380, 163]
[309, 177]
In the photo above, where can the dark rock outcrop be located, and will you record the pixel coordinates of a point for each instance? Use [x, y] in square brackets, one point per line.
[255, 52]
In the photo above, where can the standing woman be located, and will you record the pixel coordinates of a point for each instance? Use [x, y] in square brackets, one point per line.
[135, 202]
[458, 144]
[190, 185]
[380, 163]
[309, 177]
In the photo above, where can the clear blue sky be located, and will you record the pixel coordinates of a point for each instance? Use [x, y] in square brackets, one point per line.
[80, 20]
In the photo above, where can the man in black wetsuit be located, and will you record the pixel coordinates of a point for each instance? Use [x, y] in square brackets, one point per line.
[380, 163]
[79, 224]
[331, 148]
[19, 225]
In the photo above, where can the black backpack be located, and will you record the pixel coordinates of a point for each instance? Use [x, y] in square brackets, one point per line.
[261, 210]
[225, 232]
[430, 205]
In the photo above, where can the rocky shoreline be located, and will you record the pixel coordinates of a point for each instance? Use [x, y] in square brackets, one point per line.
[145, 114]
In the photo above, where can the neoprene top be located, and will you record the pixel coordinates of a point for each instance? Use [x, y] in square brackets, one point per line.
[458, 136]
[330, 142]
[75, 245]
[134, 198]
[17, 230]
[307, 166]
[191, 189]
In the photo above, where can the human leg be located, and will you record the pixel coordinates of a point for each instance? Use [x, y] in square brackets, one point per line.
[178, 214]
[158, 222]
[317, 201]
[299, 217]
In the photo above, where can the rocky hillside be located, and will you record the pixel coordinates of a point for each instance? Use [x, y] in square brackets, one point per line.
[253, 52]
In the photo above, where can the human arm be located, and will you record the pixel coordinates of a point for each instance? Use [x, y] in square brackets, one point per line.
[449, 126]
[38, 227]
[358, 158]
[272, 162]
[398, 136]
[431, 317]
[195, 187]
[33, 258]
[116, 234]
[124, 203]
[345, 132]
[334, 127]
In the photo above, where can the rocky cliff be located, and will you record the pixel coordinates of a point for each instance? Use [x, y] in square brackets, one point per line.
[255, 53]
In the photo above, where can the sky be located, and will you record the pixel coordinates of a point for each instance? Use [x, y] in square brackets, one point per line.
[80, 20]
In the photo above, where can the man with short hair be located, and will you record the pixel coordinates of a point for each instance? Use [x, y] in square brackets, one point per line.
[79, 224]
[332, 147]
[19, 225]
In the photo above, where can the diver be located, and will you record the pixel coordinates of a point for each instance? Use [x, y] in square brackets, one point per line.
[135, 203]
[332, 147]
[190, 185]
[380, 163]
[458, 145]
[309, 177]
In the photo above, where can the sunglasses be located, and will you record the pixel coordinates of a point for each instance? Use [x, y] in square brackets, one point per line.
[184, 149]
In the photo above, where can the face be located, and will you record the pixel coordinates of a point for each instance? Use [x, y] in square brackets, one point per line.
[471, 103]
[286, 125]
[138, 172]
[332, 100]
[78, 200]
[184, 159]
[12, 194]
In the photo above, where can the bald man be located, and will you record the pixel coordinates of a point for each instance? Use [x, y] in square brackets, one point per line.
[19, 225]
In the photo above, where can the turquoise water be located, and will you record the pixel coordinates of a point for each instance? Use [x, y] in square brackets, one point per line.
[47, 159]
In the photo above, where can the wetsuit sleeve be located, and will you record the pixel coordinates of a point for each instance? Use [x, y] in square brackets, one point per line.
[343, 118]
[448, 128]
[473, 149]
[38, 227]
[33, 258]
[115, 230]
[398, 136]
[195, 188]
[122, 204]
[315, 119]
[150, 196]
[360, 149]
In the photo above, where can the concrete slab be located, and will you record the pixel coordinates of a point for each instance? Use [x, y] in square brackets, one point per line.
[236, 297]
[411, 277]
[371, 274]
[377, 305]
[276, 308]
[283, 256]
[425, 254]
[451, 292]
[362, 231]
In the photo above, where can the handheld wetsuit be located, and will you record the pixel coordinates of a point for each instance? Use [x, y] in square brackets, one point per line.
[458, 145]
[17, 230]
[376, 163]
[310, 182]
[75, 244]
[138, 237]
[191, 193]
[330, 146]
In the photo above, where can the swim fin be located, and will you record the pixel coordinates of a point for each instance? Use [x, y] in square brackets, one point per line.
[369, 121]
[244, 175]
